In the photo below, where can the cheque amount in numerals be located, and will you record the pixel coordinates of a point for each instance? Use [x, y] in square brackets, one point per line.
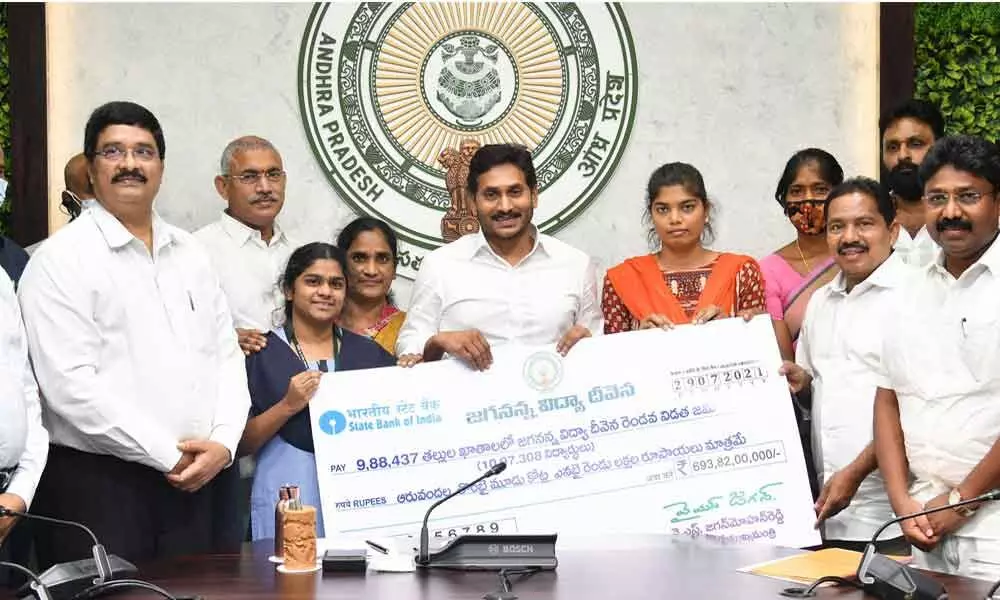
[386, 462]
[717, 379]
[736, 459]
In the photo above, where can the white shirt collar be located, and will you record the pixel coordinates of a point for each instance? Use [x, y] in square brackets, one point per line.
[117, 236]
[891, 273]
[990, 260]
[480, 246]
[242, 233]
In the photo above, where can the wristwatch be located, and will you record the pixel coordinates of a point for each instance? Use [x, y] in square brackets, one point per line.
[956, 496]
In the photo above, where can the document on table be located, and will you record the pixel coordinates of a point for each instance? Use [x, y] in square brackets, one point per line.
[688, 432]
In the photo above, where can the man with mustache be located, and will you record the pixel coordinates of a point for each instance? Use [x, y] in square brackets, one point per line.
[248, 246]
[508, 283]
[143, 384]
[907, 133]
[839, 347]
[249, 250]
[939, 382]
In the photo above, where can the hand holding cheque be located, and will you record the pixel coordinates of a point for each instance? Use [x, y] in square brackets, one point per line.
[688, 431]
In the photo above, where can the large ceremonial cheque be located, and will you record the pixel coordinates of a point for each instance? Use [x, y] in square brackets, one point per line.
[689, 432]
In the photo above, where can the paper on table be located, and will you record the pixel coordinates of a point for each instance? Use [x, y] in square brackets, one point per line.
[810, 566]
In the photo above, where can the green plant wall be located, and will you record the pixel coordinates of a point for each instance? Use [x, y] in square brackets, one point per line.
[957, 65]
[4, 110]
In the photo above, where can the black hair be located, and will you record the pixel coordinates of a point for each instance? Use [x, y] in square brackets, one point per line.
[967, 153]
[914, 108]
[363, 224]
[302, 259]
[686, 176]
[869, 187]
[829, 170]
[121, 113]
[903, 183]
[493, 155]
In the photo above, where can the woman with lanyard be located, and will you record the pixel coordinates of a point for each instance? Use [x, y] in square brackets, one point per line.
[284, 376]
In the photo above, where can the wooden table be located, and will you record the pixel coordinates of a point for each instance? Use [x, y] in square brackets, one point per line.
[632, 568]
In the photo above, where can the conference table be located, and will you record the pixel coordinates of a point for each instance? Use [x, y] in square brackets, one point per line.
[611, 568]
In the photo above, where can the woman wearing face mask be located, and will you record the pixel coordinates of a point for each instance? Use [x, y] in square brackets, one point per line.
[802, 266]
[683, 282]
[371, 248]
[284, 376]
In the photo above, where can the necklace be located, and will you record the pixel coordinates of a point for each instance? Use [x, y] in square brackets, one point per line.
[803, 257]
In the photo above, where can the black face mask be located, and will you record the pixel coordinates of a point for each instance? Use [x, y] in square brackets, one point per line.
[71, 204]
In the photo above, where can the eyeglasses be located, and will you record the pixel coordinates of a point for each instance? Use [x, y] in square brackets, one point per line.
[118, 153]
[251, 177]
[968, 198]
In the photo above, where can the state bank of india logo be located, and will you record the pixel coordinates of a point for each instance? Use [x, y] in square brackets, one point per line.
[543, 371]
[389, 92]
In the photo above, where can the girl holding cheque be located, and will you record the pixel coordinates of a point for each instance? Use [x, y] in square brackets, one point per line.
[284, 377]
[683, 282]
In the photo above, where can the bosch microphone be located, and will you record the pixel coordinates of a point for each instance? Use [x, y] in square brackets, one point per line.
[423, 557]
[66, 580]
[889, 579]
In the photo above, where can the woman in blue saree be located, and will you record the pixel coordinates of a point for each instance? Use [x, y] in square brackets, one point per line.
[284, 376]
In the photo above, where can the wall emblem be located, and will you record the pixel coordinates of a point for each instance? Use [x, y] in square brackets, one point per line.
[392, 93]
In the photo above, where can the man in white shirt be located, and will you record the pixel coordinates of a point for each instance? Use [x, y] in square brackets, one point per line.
[249, 250]
[839, 349]
[248, 247]
[508, 283]
[24, 443]
[907, 133]
[144, 385]
[940, 384]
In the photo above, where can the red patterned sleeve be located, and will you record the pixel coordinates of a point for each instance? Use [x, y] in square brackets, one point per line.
[617, 318]
[750, 287]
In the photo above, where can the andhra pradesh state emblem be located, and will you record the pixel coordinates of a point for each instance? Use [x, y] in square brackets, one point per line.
[543, 371]
[395, 99]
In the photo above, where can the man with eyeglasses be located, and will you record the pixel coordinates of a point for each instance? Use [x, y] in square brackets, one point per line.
[247, 244]
[939, 384]
[132, 343]
[249, 250]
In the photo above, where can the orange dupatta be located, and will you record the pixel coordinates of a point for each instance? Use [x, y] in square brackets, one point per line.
[639, 283]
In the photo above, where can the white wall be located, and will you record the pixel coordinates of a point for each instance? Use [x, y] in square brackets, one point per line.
[734, 89]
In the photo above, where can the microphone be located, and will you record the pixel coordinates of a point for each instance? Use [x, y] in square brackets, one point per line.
[890, 580]
[68, 579]
[424, 556]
